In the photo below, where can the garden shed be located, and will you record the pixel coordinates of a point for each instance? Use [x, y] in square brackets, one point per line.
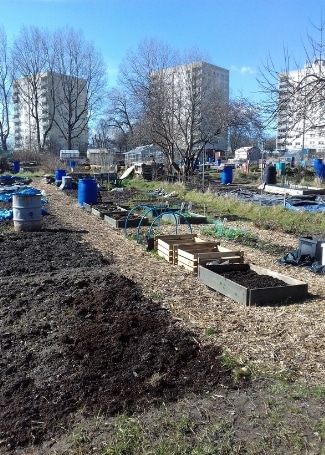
[251, 154]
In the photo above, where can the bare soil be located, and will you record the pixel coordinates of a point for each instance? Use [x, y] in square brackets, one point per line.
[81, 337]
[74, 334]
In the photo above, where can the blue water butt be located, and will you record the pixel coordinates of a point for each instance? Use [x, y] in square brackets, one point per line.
[321, 173]
[226, 175]
[59, 173]
[87, 191]
[317, 166]
[16, 166]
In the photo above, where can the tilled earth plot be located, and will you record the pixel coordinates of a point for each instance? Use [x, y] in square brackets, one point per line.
[76, 336]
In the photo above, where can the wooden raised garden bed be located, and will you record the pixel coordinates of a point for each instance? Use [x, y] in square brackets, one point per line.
[252, 285]
[155, 211]
[87, 207]
[117, 220]
[164, 244]
[101, 211]
[191, 218]
[190, 256]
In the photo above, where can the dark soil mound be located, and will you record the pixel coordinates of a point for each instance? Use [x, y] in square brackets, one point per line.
[76, 336]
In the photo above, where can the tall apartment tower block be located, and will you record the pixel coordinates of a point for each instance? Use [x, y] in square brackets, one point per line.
[208, 81]
[301, 119]
[52, 110]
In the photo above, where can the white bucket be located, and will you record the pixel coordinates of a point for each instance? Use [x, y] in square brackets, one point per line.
[27, 212]
[66, 183]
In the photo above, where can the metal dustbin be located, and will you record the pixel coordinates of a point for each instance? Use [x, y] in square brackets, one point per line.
[27, 212]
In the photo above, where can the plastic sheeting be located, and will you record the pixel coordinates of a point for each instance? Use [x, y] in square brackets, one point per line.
[256, 198]
[307, 206]
[310, 203]
[7, 196]
[6, 215]
[297, 259]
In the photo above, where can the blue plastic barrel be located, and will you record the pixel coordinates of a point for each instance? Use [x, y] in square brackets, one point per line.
[218, 161]
[322, 171]
[87, 191]
[226, 175]
[72, 164]
[317, 166]
[16, 166]
[59, 173]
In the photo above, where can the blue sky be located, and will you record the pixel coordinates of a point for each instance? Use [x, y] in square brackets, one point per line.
[235, 34]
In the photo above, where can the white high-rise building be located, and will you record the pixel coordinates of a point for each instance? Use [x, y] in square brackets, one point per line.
[200, 89]
[301, 111]
[57, 107]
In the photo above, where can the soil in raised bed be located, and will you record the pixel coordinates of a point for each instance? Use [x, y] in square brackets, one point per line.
[252, 280]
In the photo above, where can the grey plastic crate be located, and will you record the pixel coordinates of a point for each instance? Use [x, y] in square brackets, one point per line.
[311, 246]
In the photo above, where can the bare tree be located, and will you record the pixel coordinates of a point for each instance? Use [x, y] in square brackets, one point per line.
[137, 104]
[137, 67]
[120, 115]
[295, 94]
[101, 136]
[246, 125]
[81, 85]
[270, 144]
[6, 79]
[181, 118]
[31, 54]
[187, 112]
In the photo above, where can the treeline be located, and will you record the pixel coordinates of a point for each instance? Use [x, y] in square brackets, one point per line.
[72, 99]
[143, 108]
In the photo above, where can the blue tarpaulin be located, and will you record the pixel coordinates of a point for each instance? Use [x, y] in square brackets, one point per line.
[7, 196]
[5, 215]
[309, 207]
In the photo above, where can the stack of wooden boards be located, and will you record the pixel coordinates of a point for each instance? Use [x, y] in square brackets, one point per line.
[189, 251]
